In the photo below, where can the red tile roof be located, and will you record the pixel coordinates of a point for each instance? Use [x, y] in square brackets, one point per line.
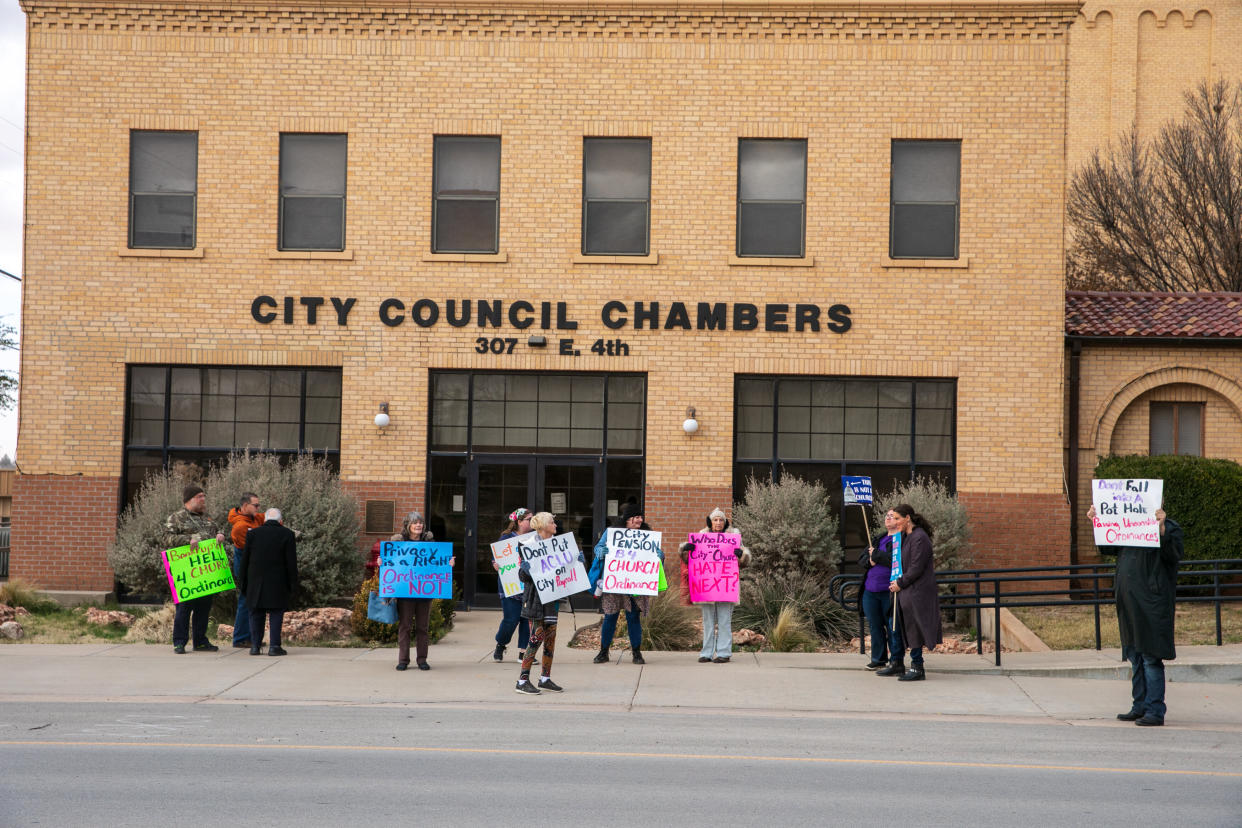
[1157, 315]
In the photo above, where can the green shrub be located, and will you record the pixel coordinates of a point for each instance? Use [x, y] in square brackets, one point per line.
[789, 529]
[1198, 492]
[932, 499]
[21, 593]
[441, 621]
[765, 596]
[306, 491]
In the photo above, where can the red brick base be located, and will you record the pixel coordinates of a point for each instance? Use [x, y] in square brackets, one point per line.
[1009, 530]
[62, 527]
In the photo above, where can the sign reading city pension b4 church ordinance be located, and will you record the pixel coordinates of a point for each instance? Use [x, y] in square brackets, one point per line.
[415, 570]
[633, 563]
[195, 571]
[1125, 512]
[713, 572]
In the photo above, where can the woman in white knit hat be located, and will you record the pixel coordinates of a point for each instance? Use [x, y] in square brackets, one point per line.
[717, 615]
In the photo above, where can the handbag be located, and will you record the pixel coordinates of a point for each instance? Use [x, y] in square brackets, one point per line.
[381, 610]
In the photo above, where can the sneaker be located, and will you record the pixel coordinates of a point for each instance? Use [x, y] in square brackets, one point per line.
[206, 648]
[527, 688]
[1149, 721]
[499, 654]
[179, 649]
[521, 655]
[549, 684]
[875, 665]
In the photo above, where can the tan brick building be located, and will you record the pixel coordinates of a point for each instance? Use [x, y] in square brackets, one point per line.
[833, 230]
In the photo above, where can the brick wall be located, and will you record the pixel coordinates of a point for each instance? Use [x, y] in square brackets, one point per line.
[61, 530]
[408, 497]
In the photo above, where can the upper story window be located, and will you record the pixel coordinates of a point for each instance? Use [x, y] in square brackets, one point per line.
[312, 191]
[163, 187]
[616, 196]
[771, 197]
[1176, 428]
[466, 194]
[925, 200]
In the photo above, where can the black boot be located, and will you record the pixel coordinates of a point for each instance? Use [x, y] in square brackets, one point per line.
[638, 657]
[894, 668]
[915, 673]
[602, 657]
[499, 654]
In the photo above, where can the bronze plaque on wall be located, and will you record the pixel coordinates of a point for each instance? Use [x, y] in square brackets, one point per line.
[380, 514]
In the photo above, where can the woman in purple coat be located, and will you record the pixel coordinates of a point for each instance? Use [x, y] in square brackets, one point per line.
[877, 601]
[918, 597]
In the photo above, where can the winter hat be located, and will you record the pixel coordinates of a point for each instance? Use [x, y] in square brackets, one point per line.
[631, 510]
[190, 492]
[717, 513]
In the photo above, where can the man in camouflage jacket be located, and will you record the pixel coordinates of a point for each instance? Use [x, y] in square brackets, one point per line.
[189, 525]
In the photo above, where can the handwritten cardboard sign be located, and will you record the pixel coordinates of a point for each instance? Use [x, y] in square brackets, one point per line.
[633, 563]
[416, 569]
[856, 489]
[197, 571]
[554, 565]
[1125, 512]
[713, 570]
[505, 554]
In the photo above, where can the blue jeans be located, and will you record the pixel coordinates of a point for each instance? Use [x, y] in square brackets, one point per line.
[878, 607]
[1146, 683]
[634, 623]
[717, 629]
[513, 620]
[241, 624]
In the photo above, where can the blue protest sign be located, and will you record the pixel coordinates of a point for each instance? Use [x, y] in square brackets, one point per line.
[895, 573]
[857, 490]
[415, 570]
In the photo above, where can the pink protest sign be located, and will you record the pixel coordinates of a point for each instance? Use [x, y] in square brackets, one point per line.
[713, 567]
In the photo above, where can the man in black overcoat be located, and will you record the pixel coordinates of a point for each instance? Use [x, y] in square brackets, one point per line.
[1145, 585]
[269, 576]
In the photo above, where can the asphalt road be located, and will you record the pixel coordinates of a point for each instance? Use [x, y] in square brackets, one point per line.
[279, 764]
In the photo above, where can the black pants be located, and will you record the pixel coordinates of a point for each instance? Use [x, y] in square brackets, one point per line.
[192, 614]
[256, 626]
[416, 613]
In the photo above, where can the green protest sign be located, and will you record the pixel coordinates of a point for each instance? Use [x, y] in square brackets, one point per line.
[195, 571]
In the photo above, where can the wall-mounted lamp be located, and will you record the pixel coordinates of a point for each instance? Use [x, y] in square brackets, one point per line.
[381, 419]
[691, 425]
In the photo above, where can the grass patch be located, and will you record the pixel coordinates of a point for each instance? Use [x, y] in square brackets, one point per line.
[1073, 628]
[67, 626]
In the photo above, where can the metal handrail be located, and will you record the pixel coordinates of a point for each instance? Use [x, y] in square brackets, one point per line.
[980, 589]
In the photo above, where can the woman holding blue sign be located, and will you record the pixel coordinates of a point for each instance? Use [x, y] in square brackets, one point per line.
[917, 595]
[414, 612]
[877, 601]
[511, 606]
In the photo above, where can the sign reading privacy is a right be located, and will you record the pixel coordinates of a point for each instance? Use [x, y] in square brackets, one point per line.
[1125, 511]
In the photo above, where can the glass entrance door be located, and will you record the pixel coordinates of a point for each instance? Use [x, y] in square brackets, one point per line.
[570, 488]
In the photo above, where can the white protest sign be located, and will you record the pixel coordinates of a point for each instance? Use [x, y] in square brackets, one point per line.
[1125, 511]
[633, 565]
[505, 554]
[554, 565]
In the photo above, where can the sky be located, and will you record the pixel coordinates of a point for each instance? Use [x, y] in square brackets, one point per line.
[12, 135]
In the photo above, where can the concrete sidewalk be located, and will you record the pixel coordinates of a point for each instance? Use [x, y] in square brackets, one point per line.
[1081, 686]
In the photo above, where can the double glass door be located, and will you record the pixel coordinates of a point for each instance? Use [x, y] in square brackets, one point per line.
[570, 488]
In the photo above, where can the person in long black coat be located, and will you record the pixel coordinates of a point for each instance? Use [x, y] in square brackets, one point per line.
[917, 594]
[269, 576]
[1145, 585]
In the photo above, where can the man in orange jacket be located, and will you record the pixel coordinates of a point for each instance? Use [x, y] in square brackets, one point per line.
[245, 517]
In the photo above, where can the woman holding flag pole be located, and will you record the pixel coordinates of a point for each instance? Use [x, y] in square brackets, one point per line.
[916, 592]
[877, 601]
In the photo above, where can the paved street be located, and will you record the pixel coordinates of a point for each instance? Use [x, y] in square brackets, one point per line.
[133, 735]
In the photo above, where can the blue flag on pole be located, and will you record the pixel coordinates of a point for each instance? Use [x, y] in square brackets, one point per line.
[857, 490]
[895, 573]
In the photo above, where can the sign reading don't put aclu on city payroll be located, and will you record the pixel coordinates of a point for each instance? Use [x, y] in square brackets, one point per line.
[554, 565]
[633, 563]
[195, 571]
[411, 569]
[1125, 511]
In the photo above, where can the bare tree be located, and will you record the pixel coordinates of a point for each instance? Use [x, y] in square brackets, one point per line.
[8, 379]
[1165, 214]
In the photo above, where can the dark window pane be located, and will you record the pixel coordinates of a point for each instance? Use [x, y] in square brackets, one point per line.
[284, 436]
[163, 162]
[828, 392]
[148, 380]
[164, 221]
[554, 415]
[467, 165]
[925, 231]
[895, 447]
[220, 381]
[323, 409]
[588, 388]
[894, 421]
[627, 389]
[323, 383]
[934, 421]
[616, 227]
[772, 169]
[187, 380]
[754, 445]
[795, 392]
[827, 446]
[286, 410]
[520, 386]
[770, 229]
[860, 446]
[286, 383]
[488, 414]
[587, 415]
[754, 392]
[311, 223]
[828, 420]
[254, 383]
[625, 415]
[218, 434]
[933, 449]
[185, 407]
[617, 168]
[1160, 440]
[754, 418]
[451, 386]
[146, 432]
[934, 394]
[554, 387]
[312, 164]
[448, 412]
[793, 419]
[926, 170]
[253, 409]
[253, 435]
[1189, 428]
[146, 406]
[466, 226]
[793, 446]
[216, 407]
[183, 433]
